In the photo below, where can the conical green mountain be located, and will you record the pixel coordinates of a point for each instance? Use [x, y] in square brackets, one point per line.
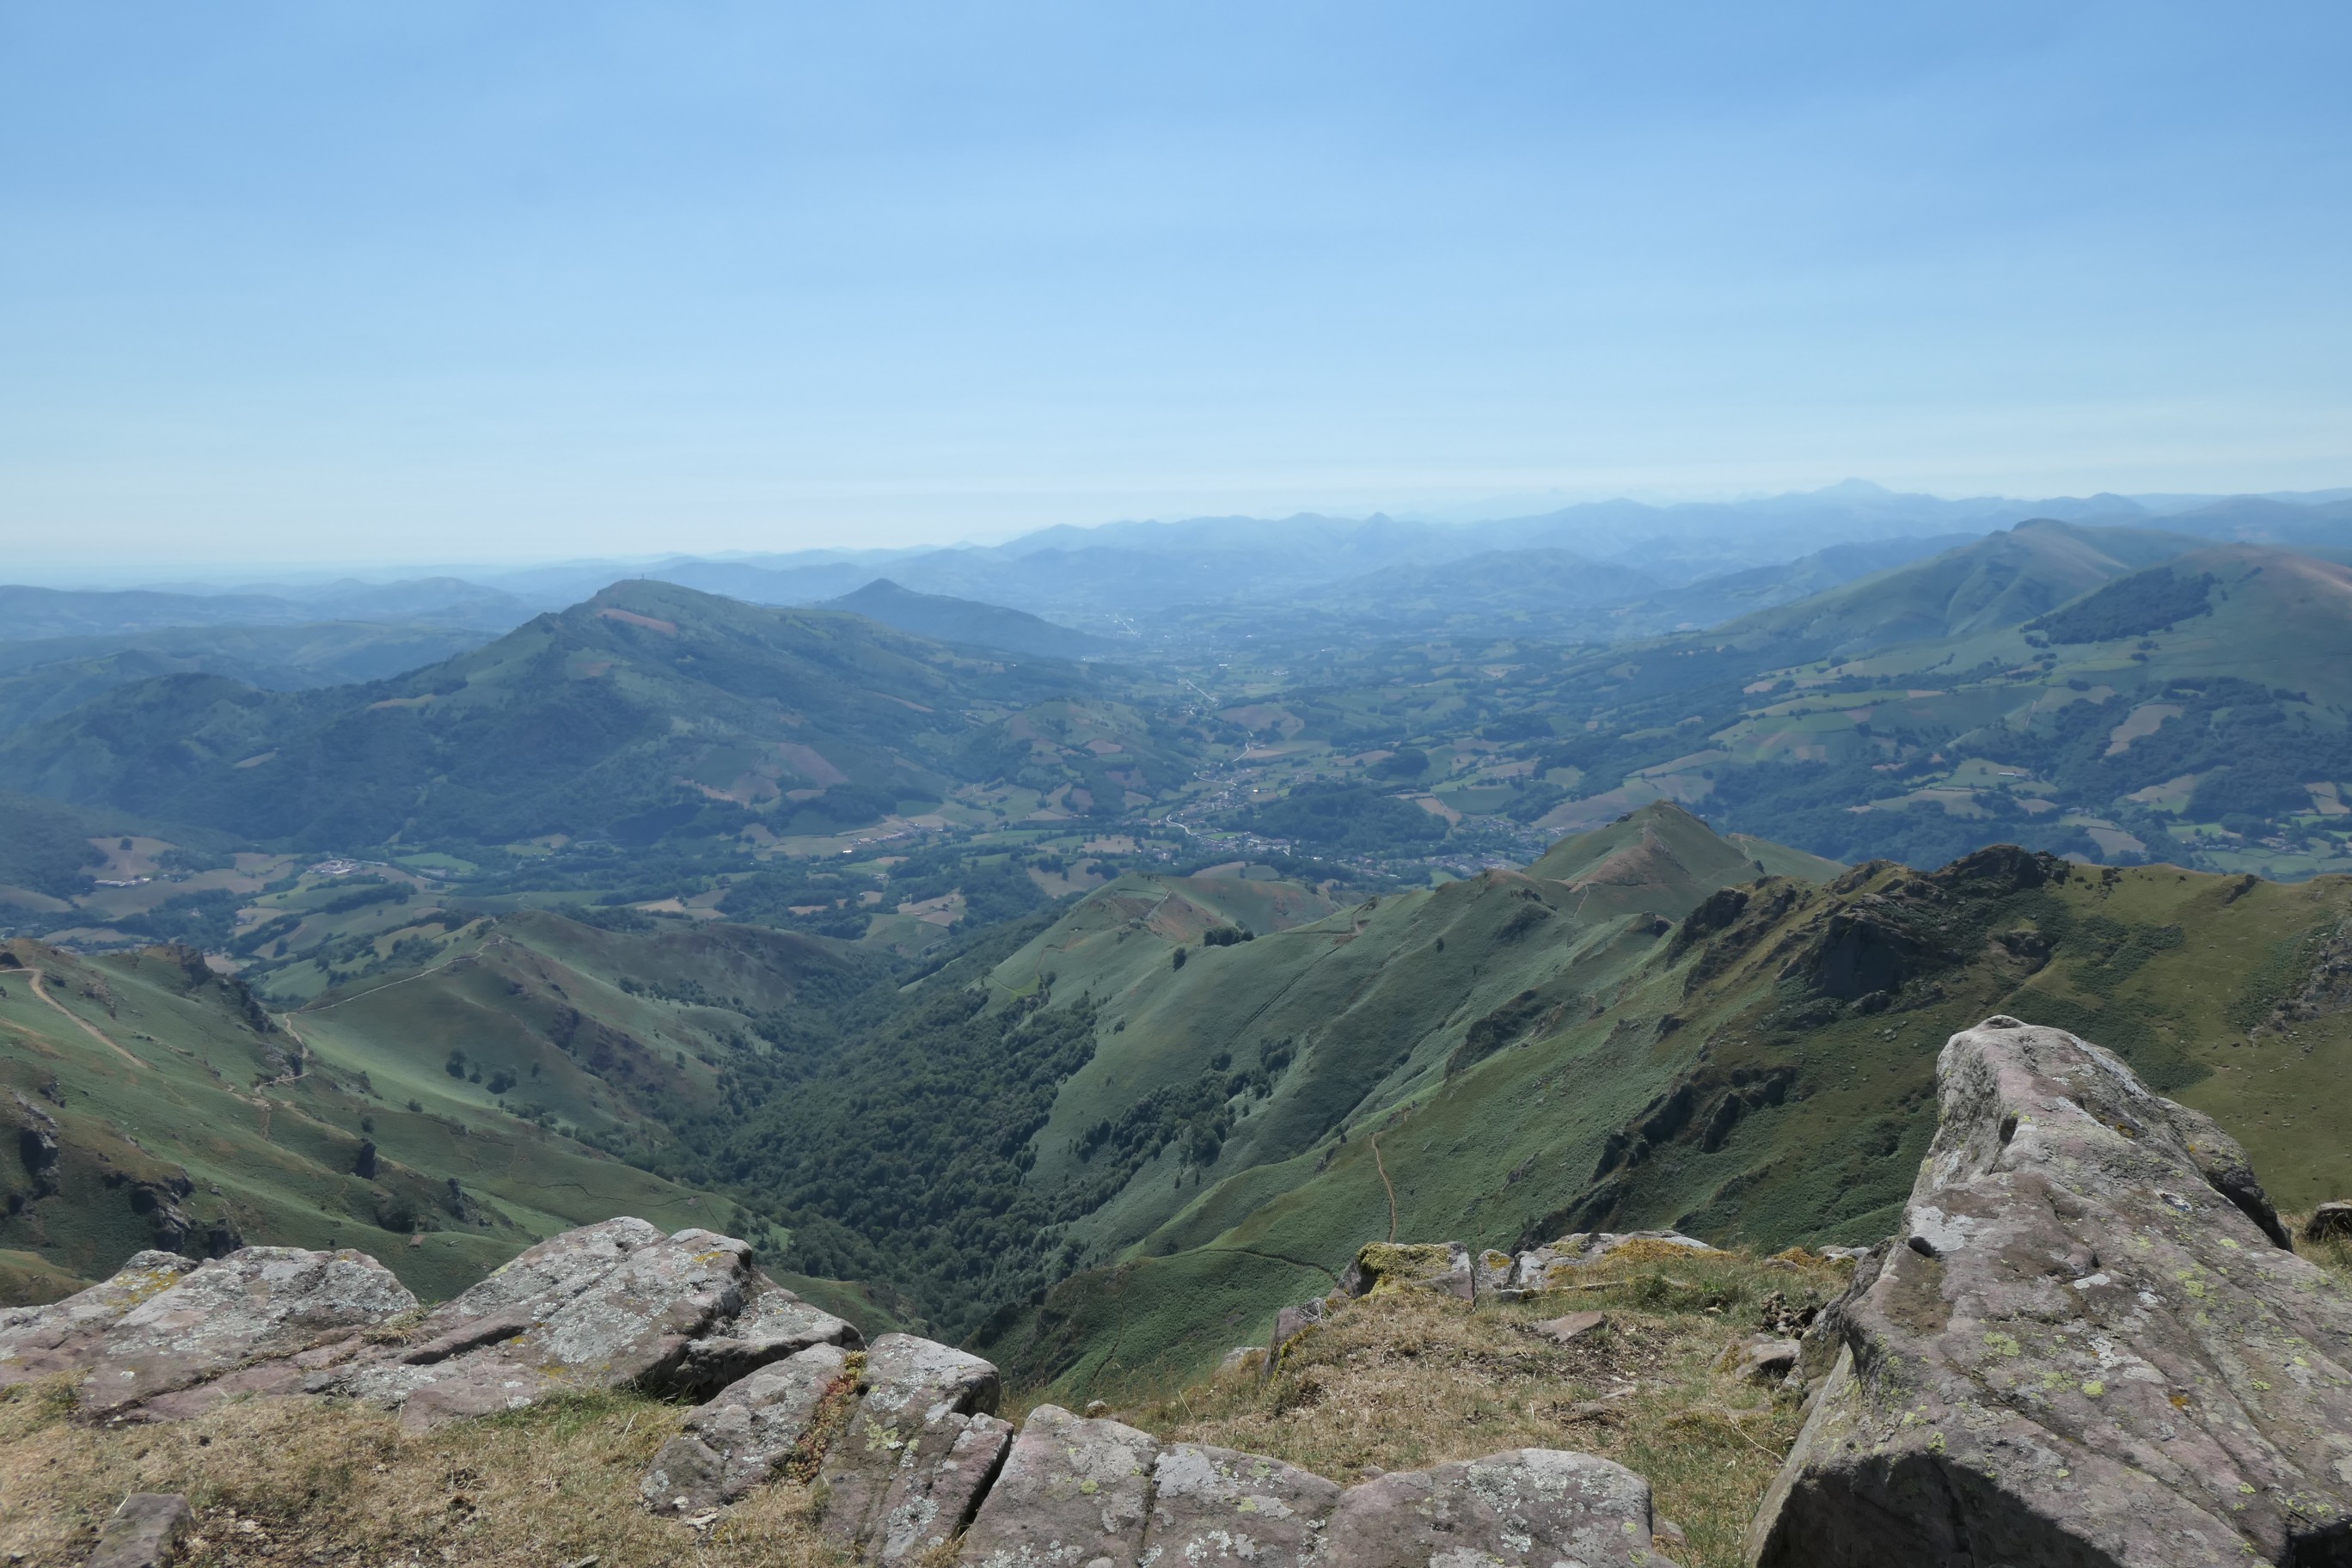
[647, 710]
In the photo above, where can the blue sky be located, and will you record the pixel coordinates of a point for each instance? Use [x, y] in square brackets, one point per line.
[324, 282]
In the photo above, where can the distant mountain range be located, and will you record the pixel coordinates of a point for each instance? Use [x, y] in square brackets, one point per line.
[646, 711]
[448, 603]
[1108, 578]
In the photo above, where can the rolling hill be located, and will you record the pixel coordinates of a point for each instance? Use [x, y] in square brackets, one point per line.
[446, 603]
[1998, 581]
[944, 619]
[648, 712]
[439, 1123]
[2116, 695]
[1108, 1142]
[50, 678]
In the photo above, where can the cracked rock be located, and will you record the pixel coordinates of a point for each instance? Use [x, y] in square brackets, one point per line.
[744, 1435]
[1073, 1491]
[923, 1442]
[606, 1306]
[2085, 1346]
[258, 1304]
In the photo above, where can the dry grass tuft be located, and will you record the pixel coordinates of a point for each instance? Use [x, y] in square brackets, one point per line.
[299, 1481]
[2334, 1255]
[1409, 1379]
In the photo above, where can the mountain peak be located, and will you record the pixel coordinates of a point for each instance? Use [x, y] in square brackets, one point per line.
[949, 619]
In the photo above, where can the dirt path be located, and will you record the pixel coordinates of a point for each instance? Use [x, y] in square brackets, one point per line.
[1383, 1167]
[81, 1022]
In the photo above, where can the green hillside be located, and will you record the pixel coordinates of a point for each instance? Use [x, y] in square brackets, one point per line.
[2118, 696]
[1762, 1072]
[1107, 1142]
[1996, 583]
[47, 679]
[648, 714]
[1088, 1094]
[441, 1117]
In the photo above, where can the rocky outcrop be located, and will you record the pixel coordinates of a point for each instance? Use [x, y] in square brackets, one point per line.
[607, 1306]
[1384, 1265]
[37, 1144]
[1073, 1491]
[745, 1435]
[2085, 1347]
[924, 1441]
[2330, 1222]
[262, 1305]
[1537, 1507]
[1509, 1276]
[910, 1459]
[36, 1342]
[1089, 1492]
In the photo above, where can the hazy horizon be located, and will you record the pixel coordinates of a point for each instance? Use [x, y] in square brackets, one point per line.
[537, 282]
[295, 570]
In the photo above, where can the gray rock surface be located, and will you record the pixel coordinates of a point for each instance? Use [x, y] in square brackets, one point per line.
[258, 1303]
[900, 1449]
[1216, 1506]
[527, 1288]
[941, 1477]
[743, 1436]
[36, 1342]
[142, 1531]
[1073, 1492]
[1768, 1361]
[2085, 1347]
[1532, 1506]
[610, 1305]
[772, 1325]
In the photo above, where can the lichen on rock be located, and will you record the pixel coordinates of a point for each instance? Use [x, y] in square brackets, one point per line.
[2085, 1346]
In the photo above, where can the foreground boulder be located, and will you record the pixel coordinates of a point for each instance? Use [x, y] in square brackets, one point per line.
[1215, 1505]
[1087, 1493]
[132, 1343]
[922, 1445]
[1073, 1491]
[2086, 1347]
[607, 1306]
[36, 1342]
[1537, 1507]
[748, 1433]
[143, 1531]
